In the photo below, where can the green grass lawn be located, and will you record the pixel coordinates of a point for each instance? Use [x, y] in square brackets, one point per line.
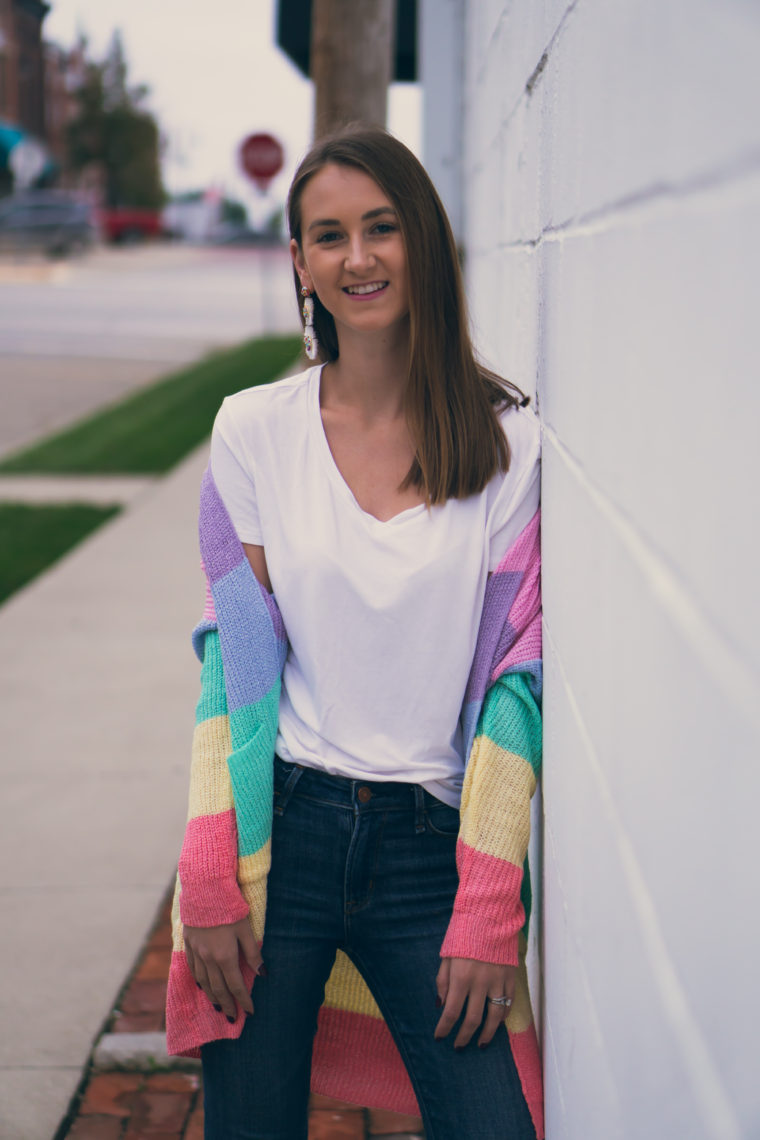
[33, 537]
[153, 428]
[144, 434]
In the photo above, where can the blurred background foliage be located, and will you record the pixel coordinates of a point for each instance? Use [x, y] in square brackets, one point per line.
[114, 129]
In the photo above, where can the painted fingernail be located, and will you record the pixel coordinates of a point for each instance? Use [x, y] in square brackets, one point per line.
[262, 971]
[218, 1008]
[459, 1048]
[198, 984]
[483, 1044]
[231, 1019]
[438, 1003]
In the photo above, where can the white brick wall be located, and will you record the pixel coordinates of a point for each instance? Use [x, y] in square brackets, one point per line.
[611, 216]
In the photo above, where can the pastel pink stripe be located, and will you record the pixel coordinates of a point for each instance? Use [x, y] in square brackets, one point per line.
[487, 878]
[191, 1020]
[492, 888]
[525, 1051]
[526, 648]
[528, 598]
[524, 549]
[381, 1082]
[211, 897]
[209, 609]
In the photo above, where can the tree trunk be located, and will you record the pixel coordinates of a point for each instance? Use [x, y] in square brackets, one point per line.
[352, 50]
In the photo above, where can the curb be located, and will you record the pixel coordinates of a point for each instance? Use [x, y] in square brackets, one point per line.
[32, 273]
[141, 1052]
[105, 490]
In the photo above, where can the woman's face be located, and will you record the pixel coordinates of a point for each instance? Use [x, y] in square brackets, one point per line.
[352, 253]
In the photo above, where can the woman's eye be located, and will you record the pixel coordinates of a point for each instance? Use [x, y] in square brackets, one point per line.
[384, 228]
[328, 236]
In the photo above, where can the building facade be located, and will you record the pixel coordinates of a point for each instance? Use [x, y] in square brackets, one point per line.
[22, 65]
[64, 75]
[601, 163]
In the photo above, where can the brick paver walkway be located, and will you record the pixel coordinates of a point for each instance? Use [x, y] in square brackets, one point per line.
[128, 1105]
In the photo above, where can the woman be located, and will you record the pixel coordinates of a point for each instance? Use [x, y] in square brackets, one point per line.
[371, 645]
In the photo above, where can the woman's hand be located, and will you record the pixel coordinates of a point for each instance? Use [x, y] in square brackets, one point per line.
[213, 955]
[461, 980]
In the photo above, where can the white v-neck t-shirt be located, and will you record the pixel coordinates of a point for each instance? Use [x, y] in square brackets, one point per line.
[381, 617]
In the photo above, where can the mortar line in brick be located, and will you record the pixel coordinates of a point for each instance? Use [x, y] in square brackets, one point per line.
[651, 203]
[720, 657]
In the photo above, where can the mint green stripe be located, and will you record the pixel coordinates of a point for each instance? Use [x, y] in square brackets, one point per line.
[251, 768]
[512, 719]
[213, 698]
[253, 729]
[246, 720]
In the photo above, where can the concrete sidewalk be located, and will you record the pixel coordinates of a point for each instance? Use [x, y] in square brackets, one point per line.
[130, 1094]
[98, 686]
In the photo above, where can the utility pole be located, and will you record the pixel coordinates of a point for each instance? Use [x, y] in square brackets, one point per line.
[352, 50]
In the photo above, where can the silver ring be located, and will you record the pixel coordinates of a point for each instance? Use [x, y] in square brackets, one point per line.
[503, 1000]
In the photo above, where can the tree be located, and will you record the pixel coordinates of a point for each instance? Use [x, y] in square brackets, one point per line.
[352, 46]
[114, 131]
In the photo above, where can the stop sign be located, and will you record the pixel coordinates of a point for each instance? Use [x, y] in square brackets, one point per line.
[261, 157]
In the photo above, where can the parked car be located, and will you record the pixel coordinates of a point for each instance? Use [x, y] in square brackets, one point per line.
[46, 220]
[127, 224]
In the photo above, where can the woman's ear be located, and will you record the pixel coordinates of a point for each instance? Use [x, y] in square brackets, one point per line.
[300, 264]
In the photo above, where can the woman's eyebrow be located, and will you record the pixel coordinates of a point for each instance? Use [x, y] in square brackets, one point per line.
[365, 217]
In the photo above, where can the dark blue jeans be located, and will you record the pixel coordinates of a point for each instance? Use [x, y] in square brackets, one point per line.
[368, 868]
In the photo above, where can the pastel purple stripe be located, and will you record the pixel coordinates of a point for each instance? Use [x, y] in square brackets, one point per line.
[221, 548]
[501, 591]
[250, 650]
[275, 615]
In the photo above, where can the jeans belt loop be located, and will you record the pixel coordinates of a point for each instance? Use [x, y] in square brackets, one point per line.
[288, 789]
[419, 809]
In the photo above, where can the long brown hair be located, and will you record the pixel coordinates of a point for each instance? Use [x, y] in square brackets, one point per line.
[451, 399]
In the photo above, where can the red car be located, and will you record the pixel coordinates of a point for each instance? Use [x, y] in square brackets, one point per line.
[126, 224]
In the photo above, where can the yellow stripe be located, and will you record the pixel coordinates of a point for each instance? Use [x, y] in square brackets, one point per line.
[520, 1015]
[252, 876]
[210, 787]
[496, 816]
[347, 990]
[178, 942]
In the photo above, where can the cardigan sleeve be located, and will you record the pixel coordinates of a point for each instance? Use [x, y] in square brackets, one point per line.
[488, 913]
[503, 763]
[209, 890]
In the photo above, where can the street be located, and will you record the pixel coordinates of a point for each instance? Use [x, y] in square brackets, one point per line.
[78, 334]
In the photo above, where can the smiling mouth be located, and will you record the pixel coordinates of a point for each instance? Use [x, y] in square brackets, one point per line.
[364, 290]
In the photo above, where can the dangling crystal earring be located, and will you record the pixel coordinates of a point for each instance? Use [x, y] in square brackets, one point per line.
[310, 342]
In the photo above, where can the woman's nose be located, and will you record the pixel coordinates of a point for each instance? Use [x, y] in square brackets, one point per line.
[359, 256]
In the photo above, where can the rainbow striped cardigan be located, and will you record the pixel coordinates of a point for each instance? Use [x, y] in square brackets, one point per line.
[225, 857]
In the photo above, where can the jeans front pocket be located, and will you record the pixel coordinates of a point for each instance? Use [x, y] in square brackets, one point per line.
[286, 776]
[442, 819]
